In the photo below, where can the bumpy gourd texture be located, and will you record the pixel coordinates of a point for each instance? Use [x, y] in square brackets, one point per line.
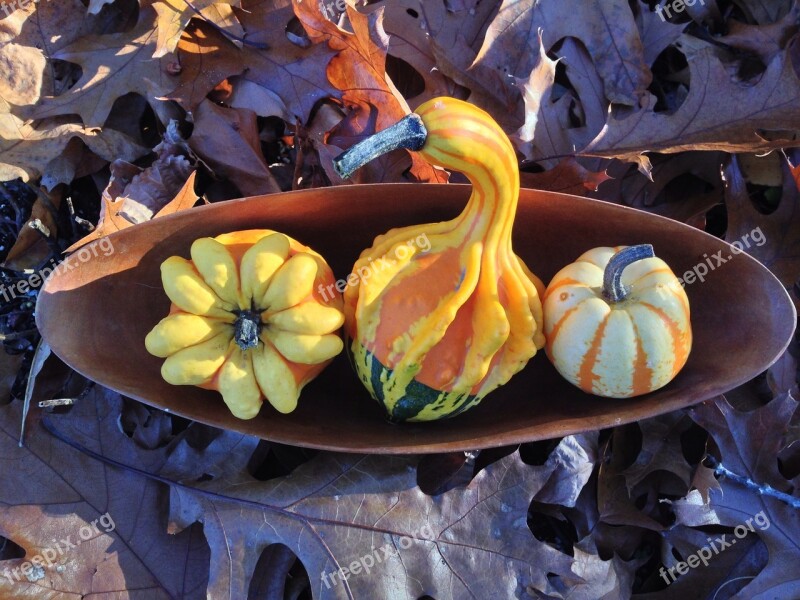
[623, 349]
[436, 329]
[273, 281]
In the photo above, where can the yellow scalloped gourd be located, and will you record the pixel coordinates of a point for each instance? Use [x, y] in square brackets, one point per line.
[247, 319]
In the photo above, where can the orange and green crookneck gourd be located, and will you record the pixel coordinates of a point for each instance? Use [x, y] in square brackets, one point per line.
[434, 327]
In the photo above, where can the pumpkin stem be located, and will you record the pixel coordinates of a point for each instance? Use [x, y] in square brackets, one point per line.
[409, 132]
[613, 290]
[247, 326]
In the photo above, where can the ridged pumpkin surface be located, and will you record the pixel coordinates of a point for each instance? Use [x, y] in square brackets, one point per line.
[247, 319]
[436, 326]
[622, 349]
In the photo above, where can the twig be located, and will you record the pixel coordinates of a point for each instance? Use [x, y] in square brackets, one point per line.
[764, 490]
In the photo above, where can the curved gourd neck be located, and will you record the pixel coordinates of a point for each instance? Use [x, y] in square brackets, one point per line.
[463, 138]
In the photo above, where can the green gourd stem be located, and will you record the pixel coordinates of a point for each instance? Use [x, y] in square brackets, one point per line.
[613, 290]
[409, 133]
[246, 329]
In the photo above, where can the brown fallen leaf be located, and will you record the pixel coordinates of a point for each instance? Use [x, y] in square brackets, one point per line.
[618, 506]
[199, 43]
[773, 239]
[748, 446]
[31, 150]
[359, 70]
[682, 186]
[661, 450]
[308, 171]
[9, 367]
[765, 41]
[575, 118]
[174, 16]
[31, 250]
[764, 13]
[370, 506]
[656, 33]
[57, 25]
[567, 177]
[511, 46]
[227, 141]
[410, 41]
[112, 65]
[112, 219]
[88, 528]
[739, 119]
[294, 72]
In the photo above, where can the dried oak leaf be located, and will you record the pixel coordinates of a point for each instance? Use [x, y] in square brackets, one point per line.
[113, 65]
[661, 450]
[749, 444]
[682, 186]
[30, 249]
[336, 509]
[174, 16]
[718, 114]
[32, 150]
[511, 45]
[656, 33]
[456, 30]
[227, 141]
[150, 181]
[294, 72]
[359, 70]
[567, 177]
[764, 41]
[52, 495]
[575, 118]
[48, 26]
[778, 245]
[410, 41]
[762, 12]
[206, 58]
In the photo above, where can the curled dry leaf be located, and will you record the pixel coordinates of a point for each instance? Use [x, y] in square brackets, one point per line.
[738, 119]
[227, 141]
[111, 218]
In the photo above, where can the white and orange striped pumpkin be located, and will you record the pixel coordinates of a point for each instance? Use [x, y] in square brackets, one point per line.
[617, 322]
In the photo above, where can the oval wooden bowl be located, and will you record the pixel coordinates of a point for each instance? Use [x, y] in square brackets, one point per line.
[95, 316]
